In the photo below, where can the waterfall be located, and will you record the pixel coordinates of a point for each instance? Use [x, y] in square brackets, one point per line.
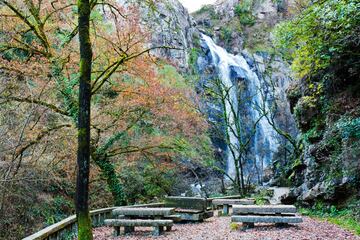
[232, 69]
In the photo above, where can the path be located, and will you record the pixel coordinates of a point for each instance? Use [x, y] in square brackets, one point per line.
[218, 228]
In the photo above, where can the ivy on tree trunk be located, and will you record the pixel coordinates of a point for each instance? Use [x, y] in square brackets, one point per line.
[109, 172]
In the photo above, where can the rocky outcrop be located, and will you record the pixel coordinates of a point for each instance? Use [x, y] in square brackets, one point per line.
[226, 8]
[329, 160]
[236, 25]
[272, 74]
[171, 26]
[329, 124]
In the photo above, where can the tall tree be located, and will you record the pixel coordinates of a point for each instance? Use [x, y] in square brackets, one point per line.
[238, 130]
[83, 154]
[128, 121]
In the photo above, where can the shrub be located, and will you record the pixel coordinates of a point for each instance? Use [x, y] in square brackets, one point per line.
[234, 226]
[345, 218]
[349, 128]
[244, 11]
[327, 33]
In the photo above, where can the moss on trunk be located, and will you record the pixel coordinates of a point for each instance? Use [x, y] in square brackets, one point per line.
[83, 155]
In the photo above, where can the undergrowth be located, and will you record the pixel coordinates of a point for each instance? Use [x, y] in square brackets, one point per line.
[346, 218]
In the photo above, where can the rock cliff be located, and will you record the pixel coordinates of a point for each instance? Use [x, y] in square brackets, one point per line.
[171, 26]
[327, 161]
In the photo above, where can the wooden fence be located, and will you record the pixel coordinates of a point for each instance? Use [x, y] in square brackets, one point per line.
[67, 228]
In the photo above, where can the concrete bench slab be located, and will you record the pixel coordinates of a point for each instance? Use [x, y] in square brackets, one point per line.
[187, 203]
[130, 224]
[227, 197]
[195, 216]
[175, 217]
[143, 211]
[264, 209]
[182, 210]
[226, 203]
[138, 222]
[266, 219]
[220, 202]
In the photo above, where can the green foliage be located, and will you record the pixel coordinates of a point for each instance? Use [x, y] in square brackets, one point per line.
[345, 218]
[320, 35]
[349, 128]
[67, 90]
[157, 183]
[170, 76]
[193, 56]
[225, 34]
[322, 44]
[312, 135]
[201, 153]
[234, 226]
[262, 197]
[304, 104]
[53, 210]
[244, 11]
[208, 9]
[145, 182]
[193, 75]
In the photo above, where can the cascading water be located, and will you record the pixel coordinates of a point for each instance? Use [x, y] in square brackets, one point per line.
[230, 68]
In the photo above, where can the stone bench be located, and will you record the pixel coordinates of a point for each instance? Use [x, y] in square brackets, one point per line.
[143, 212]
[130, 217]
[278, 214]
[226, 203]
[130, 224]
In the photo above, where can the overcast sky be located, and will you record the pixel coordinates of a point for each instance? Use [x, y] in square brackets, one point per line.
[193, 5]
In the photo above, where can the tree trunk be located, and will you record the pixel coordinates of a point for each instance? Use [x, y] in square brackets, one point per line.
[237, 176]
[242, 175]
[83, 155]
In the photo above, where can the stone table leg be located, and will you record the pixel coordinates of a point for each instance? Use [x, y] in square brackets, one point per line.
[156, 231]
[282, 225]
[247, 225]
[226, 209]
[129, 230]
[116, 231]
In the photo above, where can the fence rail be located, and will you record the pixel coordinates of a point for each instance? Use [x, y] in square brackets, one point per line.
[67, 228]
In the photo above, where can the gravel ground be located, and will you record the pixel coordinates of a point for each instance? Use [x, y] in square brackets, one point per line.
[218, 228]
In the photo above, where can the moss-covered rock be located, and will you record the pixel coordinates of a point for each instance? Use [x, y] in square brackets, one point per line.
[305, 110]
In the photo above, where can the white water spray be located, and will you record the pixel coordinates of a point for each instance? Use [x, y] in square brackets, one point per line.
[265, 135]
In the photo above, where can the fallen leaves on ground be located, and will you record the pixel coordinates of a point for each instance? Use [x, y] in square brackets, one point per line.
[218, 228]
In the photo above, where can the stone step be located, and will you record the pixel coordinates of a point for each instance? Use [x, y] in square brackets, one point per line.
[138, 222]
[263, 209]
[143, 211]
[266, 219]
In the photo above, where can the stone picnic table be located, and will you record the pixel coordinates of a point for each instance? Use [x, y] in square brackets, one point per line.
[281, 215]
[129, 218]
[226, 203]
[155, 213]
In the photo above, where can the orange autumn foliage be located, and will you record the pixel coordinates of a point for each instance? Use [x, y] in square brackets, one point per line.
[39, 55]
[40, 58]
